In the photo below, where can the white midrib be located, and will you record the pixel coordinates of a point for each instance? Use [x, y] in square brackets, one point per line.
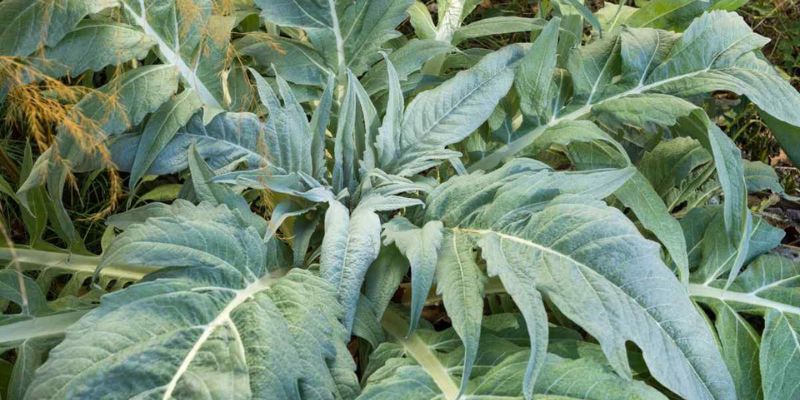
[774, 284]
[519, 144]
[170, 56]
[703, 291]
[337, 33]
[600, 76]
[427, 132]
[222, 318]
[745, 235]
[550, 251]
[419, 351]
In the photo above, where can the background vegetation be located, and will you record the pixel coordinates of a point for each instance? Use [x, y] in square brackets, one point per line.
[88, 197]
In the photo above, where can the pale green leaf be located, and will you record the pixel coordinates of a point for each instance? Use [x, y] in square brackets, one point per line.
[406, 60]
[780, 356]
[161, 127]
[110, 43]
[520, 283]
[228, 140]
[611, 15]
[28, 24]
[739, 345]
[448, 113]
[716, 52]
[768, 287]
[31, 300]
[593, 67]
[288, 134]
[658, 304]
[421, 20]
[638, 195]
[350, 245]
[788, 135]
[185, 33]
[460, 283]
[760, 176]
[672, 161]
[496, 26]
[667, 14]
[535, 74]
[294, 60]
[302, 14]
[421, 248]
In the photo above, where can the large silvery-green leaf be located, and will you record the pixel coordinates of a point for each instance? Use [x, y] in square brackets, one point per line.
[718, 51]
[110, 43]
[689, 120]
[27, 24]
[450, 112]
[320, 16]
[593, 264]
[347, 33]
[521, 285]
[221, 323]
[190, 38]
[720, 255]
[650, 306]
[161, 127]
[715, 53]
[638, 195]
[123, 102]
[229, 139]
[367, 25]
[390, 129]
[351, 244]
[406, 60]
[426, 365]
[302, 14]
[349, 142]
[288, 134]
[139, 92]
[593, 67]
[770, 288]
[672, 161]
[780, 356]
[294, 60]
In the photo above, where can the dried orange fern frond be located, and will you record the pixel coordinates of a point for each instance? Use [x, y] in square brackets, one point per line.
[39, 107]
